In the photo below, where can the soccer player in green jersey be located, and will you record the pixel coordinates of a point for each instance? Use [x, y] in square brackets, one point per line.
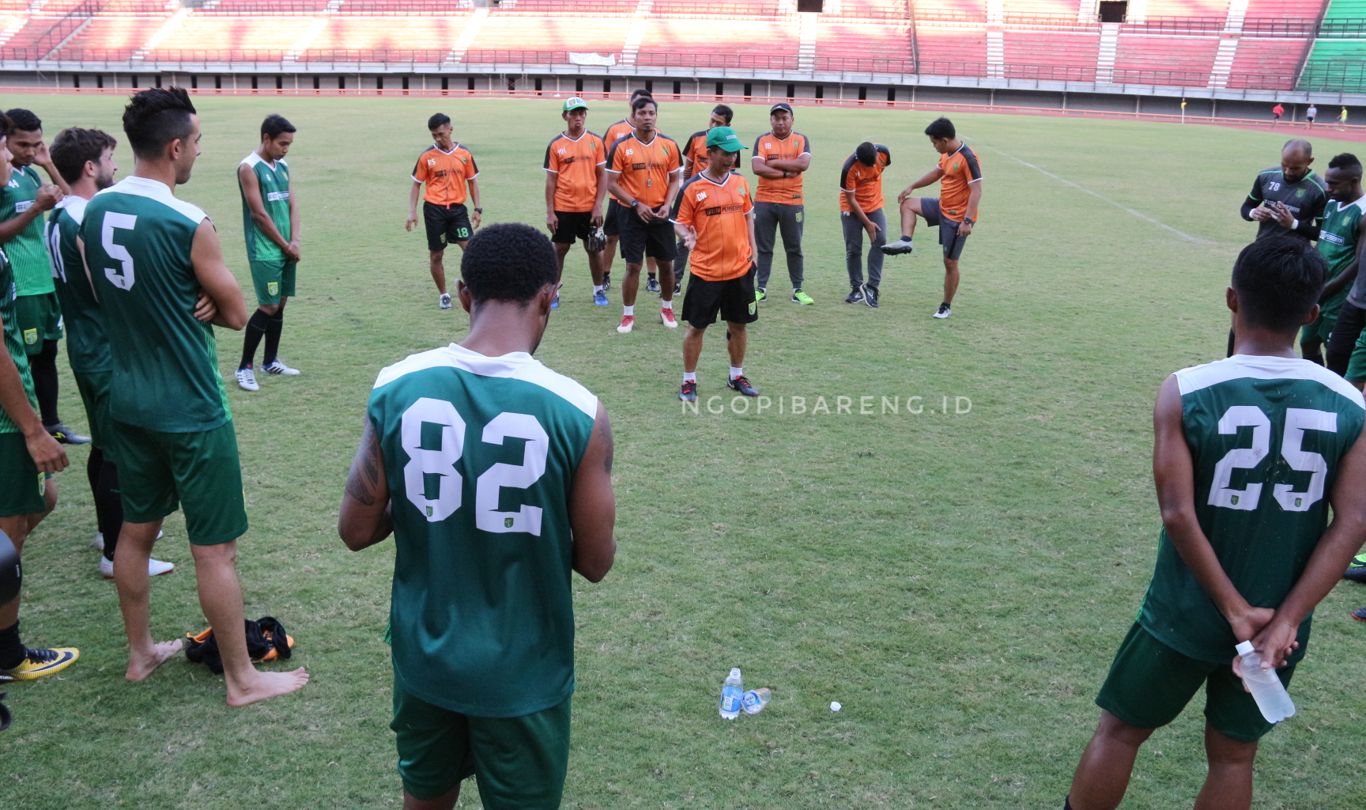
[270, 220]
[1340, 242]
[22, 203]
[28, 454]
[494, 475]
[1249, 454]
[85, 159]
[150, 256]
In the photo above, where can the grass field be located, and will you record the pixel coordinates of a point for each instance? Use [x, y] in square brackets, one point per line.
[958, 580]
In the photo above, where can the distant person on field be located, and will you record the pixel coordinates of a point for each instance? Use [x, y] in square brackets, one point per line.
[1342, 118]
[780, 160]
[861, 204]
[959, 175]
[1340, 241]
[447, 168]
[1310, 114]
[494, 475]
[575, 167]
[1249, 454]
[1276, 113]
[157, 268]
[270, 221]
[694, 161]
[714, 216]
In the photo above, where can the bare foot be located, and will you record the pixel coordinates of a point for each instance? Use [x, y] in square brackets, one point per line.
[267, 685]
[139, 667]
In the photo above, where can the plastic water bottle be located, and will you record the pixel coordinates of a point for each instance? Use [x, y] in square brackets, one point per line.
[755, 700]
[732, 694]
[1267, 689]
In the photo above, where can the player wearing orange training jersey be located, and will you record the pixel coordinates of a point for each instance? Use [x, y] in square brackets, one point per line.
[780, 158]
[446, 168]
[612, 213]
[574, 166]
[694, 161]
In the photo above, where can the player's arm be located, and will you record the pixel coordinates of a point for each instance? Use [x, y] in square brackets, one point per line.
[215, 279]
[44, 158]
[1252, 209]
[857, 211]
[412, 205]
[597, 215]
[251, 192]
[974, 198]
[294, 228]
[929, 178]
[670, 194]
[683, 218]
[476, 210]
[753, 243]
[364, 519]
[593, 505]
[48, 196]
[551, 180]
[1174, 476]
[765, 168]
[1335, 549]
[47, 454]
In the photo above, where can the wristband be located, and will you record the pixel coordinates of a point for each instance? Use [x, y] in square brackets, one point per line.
[478, 210]
[970, 220]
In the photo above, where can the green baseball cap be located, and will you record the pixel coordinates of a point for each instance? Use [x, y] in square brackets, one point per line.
[725, 138]
[575, 103]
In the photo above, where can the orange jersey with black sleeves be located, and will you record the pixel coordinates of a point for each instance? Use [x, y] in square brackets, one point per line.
[961, 169]
[719, 213]
[644, 169]
[574, 162]
[695, 152]
[767, 147]
[618, 131]
[864, 181]
[445, 174]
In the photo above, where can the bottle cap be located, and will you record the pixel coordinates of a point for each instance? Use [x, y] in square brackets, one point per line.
[1245, 647]
[735, 672]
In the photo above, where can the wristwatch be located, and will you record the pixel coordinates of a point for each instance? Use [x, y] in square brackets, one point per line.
[478, 210]
[968, 220]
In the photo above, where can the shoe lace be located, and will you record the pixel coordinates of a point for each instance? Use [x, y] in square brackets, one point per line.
[689, 386]
[740, 382]
[40, 656]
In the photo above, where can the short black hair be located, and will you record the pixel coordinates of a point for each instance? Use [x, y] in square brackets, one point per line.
[74, 146]
[640, 101]
[156, 116]
[638, 92]
[437, 121]
[866, 153]
[276, 125]
[508, 262]
[941, 127]
[1278, 279]
[22, 120]
[6, 126]
[724, 111]
[1346, 161]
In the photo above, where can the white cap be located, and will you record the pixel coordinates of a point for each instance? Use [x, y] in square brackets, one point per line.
[735, 672]
[1245, 647]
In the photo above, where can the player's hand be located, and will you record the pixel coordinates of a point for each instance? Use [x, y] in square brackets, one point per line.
[661, 213]
[965, 229]
[1276, 642]
[205, 310]
[46, 452]
[293, 250]
[596, 219]
[48, 196]
[41, 156]
[1260, 214]
[475, 219]
[904, 195]
[1249, 622]
[690, 238]
[412, 220]
[552, 222]
[1283, 217]
[646, 217]
[872, 230]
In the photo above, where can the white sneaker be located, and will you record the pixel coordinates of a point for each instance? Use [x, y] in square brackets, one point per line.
[444, 301]
[943, 312]
[155, 567]
[666, 317]
[246, 380]
[276, 367]
[628, 322]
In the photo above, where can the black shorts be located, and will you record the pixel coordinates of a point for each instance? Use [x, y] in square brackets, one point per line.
[948, 228]
[445, 224]
[573, 225]
[611, 221]
[733, 299]
[656, 240]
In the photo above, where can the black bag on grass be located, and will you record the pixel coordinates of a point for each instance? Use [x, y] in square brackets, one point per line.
[266, 641]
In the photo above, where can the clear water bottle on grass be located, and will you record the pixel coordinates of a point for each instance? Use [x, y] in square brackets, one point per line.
[1267, 689]
[732, 695]
[755, 700]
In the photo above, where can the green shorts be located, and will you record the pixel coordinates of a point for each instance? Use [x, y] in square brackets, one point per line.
[199, 472]
[21, 485]
[1150, 683]
[272, 280]
[1356, 367]
[39, 318]
[519, 762]
[94, 388]
[1318, 331]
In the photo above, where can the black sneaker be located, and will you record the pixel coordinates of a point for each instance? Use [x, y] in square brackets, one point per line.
[66, 435]
[870, 296]
[652, 285]
[606, 280]
[855, 296]
[688, 391]
[743, 385]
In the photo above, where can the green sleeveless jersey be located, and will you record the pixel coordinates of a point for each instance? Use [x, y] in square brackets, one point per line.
[14, 344]
[1338, 243]
[274, 184]
[87, 342]
[480, 454]
[137, 239]
[32, 272]
[1266, 436]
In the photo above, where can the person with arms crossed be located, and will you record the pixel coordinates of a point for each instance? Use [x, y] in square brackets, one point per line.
[29, 455]
[446, 168]
[574, 169]
[959, 175]
[494, 475]
[780, 158]
[1340, 242]
[1249, 454]
[1310, 114]
[85, 158]
[157, 269]
[714, 216]
[270, 222]
[644, 169]
[861, 204]
[694, 161]
[613, 213]
[23, 201]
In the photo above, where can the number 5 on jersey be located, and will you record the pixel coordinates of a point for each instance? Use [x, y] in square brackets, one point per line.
[123, 277]
[1297, 421]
